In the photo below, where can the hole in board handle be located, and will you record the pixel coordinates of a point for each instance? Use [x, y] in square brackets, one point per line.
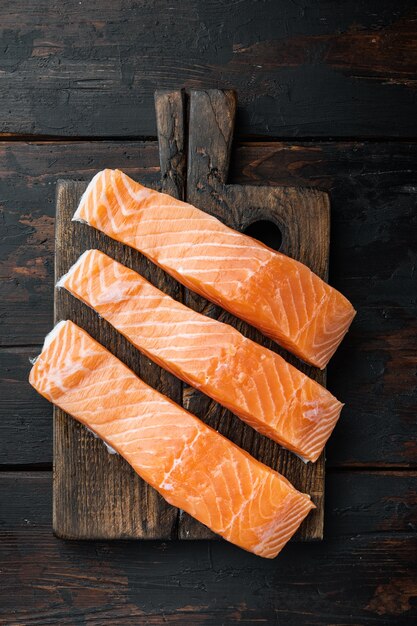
[265, 231]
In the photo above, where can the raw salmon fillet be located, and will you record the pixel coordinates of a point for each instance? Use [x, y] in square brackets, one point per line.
[269, 290]
[253, 382]
[191, 465]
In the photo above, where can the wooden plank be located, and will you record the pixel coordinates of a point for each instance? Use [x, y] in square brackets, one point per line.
[360, 502]
[372, 261]
[170, 122]
[356, 581]
[348, 579]
[98, 495]
[25, 417]
[120, 505]
[372, 188]
[372, 256]
[303, 218]
[357, 502]
[300, 68]
[28, 174]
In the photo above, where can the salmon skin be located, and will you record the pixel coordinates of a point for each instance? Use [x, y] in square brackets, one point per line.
[271, 291]
[253, 382]
[191, 465]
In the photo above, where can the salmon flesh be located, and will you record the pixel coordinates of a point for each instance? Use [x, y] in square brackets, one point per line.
[191, 465]
[253, 382]
[271, 291]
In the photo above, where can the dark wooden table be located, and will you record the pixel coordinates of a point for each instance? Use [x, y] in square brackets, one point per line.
[328, 94]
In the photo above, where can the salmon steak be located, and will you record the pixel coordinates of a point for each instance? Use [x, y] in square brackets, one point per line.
[191, 465]
[278, 295]
[253, 382]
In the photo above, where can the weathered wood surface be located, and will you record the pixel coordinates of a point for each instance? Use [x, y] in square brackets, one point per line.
[28, 176]
[363, 573]
[119, 506]
[348, 581]
[25, 421]
[97, 495]
[303, 217]
[373, 261]
[302, 68]
[170, 109]
[372, 187]
[359, 501]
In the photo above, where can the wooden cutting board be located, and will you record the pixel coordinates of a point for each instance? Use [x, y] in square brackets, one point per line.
[97, 495]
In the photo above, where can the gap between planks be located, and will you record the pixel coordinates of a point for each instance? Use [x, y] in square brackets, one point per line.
[241, 139]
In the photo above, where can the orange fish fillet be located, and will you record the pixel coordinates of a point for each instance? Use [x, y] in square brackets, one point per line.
[191, 465]
[255, 383]
[269, 290]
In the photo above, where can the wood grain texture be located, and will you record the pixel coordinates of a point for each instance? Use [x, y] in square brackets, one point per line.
[372, 261]
[303, 218]
[170, 122]
[305, 68]
[373, 255]
[302, 69]
[357, 501]
[97, 495]
[25, 420]
[363, 573]
[357, 581]
[120, 504]
[28, 176]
